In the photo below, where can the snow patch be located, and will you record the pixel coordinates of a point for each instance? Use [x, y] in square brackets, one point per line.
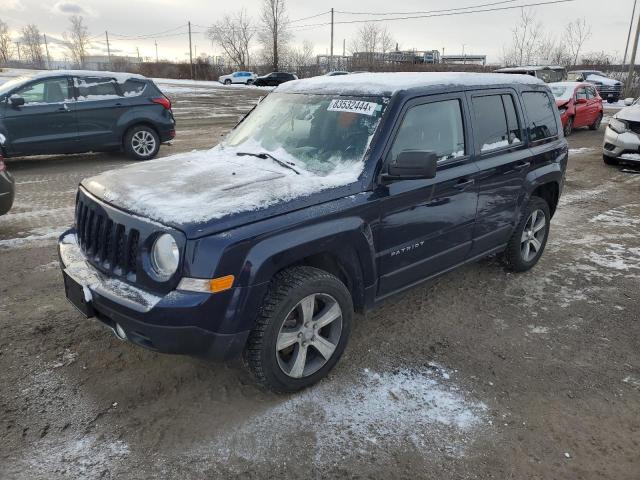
[36, 237]
[581, 150]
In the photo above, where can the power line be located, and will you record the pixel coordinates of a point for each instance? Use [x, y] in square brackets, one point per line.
[313, 16]
[148, 35]
[428, 11]
[551, 2]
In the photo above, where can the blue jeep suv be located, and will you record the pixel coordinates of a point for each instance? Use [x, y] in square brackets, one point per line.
[80, 111]
[331, 195]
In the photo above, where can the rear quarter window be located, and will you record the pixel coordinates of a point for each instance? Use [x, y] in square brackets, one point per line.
[541, 115]
[132, 88]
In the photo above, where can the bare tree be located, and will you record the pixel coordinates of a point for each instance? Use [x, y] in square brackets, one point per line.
[233, 33]
[551, 50]
[525, 38]
[302, 56]
[5, 43]
[371, 43]
[77, 40]
[275, 33]
[600, 58]
[576, 33]
[32, 41]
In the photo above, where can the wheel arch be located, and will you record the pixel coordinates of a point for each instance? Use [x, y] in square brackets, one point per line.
[550, 193]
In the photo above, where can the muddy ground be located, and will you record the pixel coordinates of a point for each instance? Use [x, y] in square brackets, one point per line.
[481, 374]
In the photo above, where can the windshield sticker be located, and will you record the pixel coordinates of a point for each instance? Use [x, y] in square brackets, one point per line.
[354, 106]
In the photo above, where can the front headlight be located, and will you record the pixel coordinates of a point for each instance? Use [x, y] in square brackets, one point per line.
[165, 256]
[618, 126]
[562, 110]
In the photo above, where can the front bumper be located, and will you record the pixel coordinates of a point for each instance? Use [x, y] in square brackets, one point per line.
[159, 323]
[617, 144]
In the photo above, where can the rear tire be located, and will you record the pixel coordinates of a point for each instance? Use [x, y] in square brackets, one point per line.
[596, 123]
[527, 243]
[249, 82]
[302, 329]
[610, 160]
[141, 143]
[568, 128]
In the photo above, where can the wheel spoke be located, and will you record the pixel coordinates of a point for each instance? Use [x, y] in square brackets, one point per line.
[527, 250]
[524, 236]
[540, 225]
[536, 244]
[286, 339]
[299, 363]
[307, 305]
[324, 346]
[534, 217]
[328, 316]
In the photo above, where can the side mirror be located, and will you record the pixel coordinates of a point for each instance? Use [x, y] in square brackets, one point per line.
[628, 102]
[16, 101]
[414, 164]
[580, 101]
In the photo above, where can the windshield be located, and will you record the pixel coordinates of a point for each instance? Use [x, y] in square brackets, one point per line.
[11, 84]
[561, 92]
[316, 132]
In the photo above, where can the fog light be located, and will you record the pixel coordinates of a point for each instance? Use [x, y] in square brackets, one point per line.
[120, 333]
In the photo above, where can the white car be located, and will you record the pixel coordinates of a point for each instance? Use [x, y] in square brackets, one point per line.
[245, 78]
[622, 136]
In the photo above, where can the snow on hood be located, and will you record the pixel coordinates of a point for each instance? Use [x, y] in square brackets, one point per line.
[602, 80]
[389, 83]
[204, 185]
[631, 113]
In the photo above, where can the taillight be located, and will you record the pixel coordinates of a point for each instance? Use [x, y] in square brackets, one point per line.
[164, 101]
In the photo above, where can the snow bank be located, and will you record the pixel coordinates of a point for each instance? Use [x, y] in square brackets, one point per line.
[389, 83]
[204, 185]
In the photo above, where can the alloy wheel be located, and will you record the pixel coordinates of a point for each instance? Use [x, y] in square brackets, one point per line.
[533, 235]
[143, 143]
[309, 335]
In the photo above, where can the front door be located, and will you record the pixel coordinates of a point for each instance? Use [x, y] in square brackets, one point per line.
[426, 225]
[582, 109]
[46, 123]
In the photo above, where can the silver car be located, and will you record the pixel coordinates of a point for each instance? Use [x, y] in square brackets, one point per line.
[622, 136]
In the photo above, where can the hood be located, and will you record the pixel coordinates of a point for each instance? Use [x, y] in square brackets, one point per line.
[631, 113]
[204, 192]
[602, 80]
[562, 102]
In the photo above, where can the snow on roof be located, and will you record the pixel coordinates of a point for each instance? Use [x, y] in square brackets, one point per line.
[389, 83]
[567, 84]
[120, 77]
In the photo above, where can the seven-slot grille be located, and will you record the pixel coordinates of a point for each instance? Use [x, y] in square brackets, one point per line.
[106, 244]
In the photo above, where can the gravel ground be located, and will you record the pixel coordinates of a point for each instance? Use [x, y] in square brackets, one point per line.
[481, 374]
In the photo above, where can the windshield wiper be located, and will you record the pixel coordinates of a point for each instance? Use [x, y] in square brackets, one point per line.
[264, 155]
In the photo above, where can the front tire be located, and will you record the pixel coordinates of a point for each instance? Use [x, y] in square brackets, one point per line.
[529, 238]
[609, 160]
[141, 142]
[596, 123]
[568, 127]
[227, 82]
[302, 329]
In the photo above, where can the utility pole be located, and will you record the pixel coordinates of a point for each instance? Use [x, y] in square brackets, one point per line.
[138, 53]
[331, 61]
[190, 55]
[18, 50]
[46, 47]
[106, 34]
[344, 47]
[633, 58]
[633, 13]
[156, 42]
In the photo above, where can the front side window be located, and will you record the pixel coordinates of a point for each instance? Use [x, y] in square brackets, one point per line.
[541, 114]
[496, 122]
[94, 88]
[435, 127]
[51, 90]
[317, 133]
[581, 93]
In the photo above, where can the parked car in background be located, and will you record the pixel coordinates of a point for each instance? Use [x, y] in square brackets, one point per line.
[579, 105]
[622, 136]
[608, 88]
[7, 185]
[342, 192]
[80, 111]
[245, 78]
[336, 73]
[546, 73]
[274, 79]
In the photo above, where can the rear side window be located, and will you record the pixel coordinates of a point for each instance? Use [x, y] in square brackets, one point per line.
[591, 92]
[541, 114]
[131, 88]
[435, 127]
[94, 88]
[496, 122]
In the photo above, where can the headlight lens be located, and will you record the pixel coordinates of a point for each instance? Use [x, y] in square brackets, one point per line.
[562, 110]
[165, 256]
[617, 125]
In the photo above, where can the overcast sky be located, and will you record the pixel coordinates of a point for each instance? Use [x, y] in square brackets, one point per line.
[481, 33]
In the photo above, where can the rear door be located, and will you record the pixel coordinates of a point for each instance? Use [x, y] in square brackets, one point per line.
[427, 224]
[503, 160]
[99, 107]
[46, 123]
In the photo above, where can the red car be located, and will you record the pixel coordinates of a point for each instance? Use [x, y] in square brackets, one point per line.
[579, 103]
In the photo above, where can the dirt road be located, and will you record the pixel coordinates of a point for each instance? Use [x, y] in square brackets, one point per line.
[482, 374]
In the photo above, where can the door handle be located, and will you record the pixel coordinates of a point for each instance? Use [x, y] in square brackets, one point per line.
[64, 108]
[463, 183]
[521, 165]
